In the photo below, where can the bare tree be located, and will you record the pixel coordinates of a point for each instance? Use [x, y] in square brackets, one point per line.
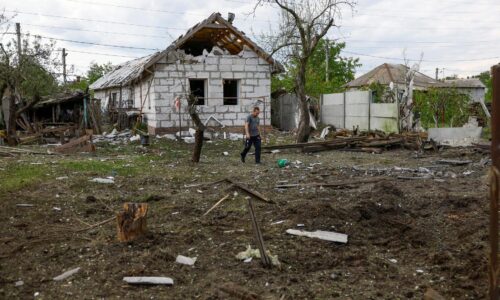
[303, 23]
[192, 107]
[407, 104]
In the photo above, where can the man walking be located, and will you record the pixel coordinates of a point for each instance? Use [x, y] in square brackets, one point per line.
[252, 134]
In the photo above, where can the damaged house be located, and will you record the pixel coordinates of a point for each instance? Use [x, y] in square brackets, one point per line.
[215, 61]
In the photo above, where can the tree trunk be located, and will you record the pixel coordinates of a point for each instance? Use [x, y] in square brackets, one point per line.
[200, 129]
[304, 129]
[198, 144]
[11, 125]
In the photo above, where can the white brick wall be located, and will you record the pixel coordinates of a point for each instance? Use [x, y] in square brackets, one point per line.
[252, 72]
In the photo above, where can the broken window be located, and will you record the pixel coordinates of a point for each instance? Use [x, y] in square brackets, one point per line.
[197, 88]
[230, 91]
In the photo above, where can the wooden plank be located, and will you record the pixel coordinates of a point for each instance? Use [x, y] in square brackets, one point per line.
[320, 234]
[149, 280]
[249, 191]
[332, 184]
[74, 145]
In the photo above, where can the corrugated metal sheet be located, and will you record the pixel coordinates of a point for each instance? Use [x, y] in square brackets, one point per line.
[124, 73]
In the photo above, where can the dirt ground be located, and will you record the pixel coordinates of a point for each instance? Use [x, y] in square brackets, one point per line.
[405, 235]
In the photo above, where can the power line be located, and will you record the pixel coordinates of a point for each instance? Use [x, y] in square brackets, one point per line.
[98, 53]
[91, 20]
[91, 43]
[423, 60]
[96, 31]
[135, 8]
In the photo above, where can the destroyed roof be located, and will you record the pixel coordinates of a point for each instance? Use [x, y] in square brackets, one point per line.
[123, 74]
[215, 28]
[465, 83]
[60, 98]
[387, 73]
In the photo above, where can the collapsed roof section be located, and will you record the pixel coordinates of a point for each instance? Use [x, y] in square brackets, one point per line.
[214, 33]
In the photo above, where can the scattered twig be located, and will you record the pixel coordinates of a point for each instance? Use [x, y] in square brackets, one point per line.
[216, 204]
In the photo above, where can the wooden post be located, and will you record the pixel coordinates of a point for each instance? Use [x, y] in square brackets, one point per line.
[131, 223]
[259, 240]
[495, 183]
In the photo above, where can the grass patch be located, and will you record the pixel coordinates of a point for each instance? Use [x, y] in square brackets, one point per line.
[18, 176]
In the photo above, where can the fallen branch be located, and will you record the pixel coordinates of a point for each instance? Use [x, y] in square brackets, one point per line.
[332, 184]
[216, 204]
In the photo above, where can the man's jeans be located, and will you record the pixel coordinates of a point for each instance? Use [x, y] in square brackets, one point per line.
[255, 140]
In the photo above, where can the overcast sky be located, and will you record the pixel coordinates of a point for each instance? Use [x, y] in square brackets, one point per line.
[458, 36]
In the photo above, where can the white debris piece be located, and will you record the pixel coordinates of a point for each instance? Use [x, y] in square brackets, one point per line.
[235, 136]
[168, 136]
[192, 131]
[275, 151]
[24, 205]
[324, 132]
[62, 178]
[135, 138]
[103, 180]
[319, 234]
[67, 274]
[247, 255]
[19, 283]
[149, 280]
[189, 140]
[394, 261]
[185, 260]
[225, 153]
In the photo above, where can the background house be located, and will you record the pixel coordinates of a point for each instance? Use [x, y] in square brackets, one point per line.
[228, 73]
[472, 87]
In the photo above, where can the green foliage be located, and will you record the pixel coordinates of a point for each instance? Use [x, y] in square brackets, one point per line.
[341, 70]
[33, 74]
[95, 72]
[381, 93]
[442, 107]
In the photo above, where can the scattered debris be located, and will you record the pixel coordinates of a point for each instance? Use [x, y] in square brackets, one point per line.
[149, 280]
[340, 184]
[66, 274]
[393, 260]
[184, 260]
[319, 234]
[19, 283]
[103, 180]
[368, 142]
[453, 162]
[81, 144]
[24, 205]
[247, 256]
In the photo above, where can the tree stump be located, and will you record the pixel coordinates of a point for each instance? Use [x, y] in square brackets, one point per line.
[132, 221]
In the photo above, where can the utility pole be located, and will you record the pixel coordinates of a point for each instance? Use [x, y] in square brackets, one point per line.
[327, 59]
[64, 64]
[437, 73]
[19, 51]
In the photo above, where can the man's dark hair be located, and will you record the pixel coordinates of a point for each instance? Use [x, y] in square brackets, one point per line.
[256, 108]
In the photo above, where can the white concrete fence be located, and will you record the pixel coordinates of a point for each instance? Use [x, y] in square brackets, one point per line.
[355, 108]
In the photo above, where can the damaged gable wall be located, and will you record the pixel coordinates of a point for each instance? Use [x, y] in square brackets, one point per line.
[171, 79]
